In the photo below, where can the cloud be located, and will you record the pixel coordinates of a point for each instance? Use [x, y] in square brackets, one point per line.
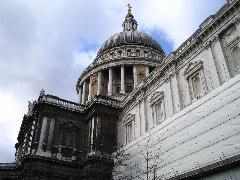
[83, 59]
[47, 44]
[10, 109]
[176, 19]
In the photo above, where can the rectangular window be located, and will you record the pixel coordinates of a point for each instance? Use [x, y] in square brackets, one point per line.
[68, 138]
[158, 112]
[196, 86]
[129, 88]
[118, 88]
[129, 132]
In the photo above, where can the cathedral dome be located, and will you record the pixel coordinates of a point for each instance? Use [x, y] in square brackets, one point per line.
[130, 36]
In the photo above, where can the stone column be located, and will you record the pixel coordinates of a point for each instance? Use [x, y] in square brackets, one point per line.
[110, 79]
[134, 76]
[90, 89]
[99, 90]
[42, 135]
[122, 80]
[84, 92]
[50, 136]
[80, 94]
[147, 71]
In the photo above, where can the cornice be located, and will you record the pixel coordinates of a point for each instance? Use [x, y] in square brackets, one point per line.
[203, 31]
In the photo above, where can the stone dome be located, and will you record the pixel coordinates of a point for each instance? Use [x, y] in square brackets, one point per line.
[130, 38]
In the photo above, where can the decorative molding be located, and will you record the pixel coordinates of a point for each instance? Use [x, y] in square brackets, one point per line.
[157, 96]
[94, 84]
[69, 125]
[168, 77]
[192, 68]
[129, 118]
[230, 30]
[237, 20]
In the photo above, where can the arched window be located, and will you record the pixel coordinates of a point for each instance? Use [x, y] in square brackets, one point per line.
[236, 56]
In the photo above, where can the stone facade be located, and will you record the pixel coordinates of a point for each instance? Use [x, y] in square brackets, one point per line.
[142, 115]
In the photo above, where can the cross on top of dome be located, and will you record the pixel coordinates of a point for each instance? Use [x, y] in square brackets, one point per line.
[130, 24]
[129, 8]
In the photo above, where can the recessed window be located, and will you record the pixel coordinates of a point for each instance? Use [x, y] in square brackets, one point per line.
[196, 85]
[236, 56]
[118, 88]
[68, 138]
[129, 132]
[158, 111]
[130, 128]
[196, 80]
[129, 88]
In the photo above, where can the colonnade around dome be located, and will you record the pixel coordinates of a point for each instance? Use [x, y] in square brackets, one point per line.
[114, 81]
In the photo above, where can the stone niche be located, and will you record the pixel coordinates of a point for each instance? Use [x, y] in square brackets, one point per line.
[141, 73]
[94, 85]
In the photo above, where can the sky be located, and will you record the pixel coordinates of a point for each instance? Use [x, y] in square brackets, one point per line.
[47, 44]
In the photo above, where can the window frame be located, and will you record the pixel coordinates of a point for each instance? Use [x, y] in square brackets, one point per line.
[236, 67]
[156, 99]
[193, 70]
[129, 120]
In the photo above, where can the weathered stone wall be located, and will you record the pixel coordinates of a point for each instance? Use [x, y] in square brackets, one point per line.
[196, 131]
[205, 132]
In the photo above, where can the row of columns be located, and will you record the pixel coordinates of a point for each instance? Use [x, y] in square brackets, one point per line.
[82, 90]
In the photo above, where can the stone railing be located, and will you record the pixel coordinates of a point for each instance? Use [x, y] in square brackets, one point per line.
[105, 100]
[7, 165]
[66, 153]
[61, 102]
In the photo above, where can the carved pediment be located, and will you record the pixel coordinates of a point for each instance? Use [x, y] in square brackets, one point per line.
[192, 68]
[129, 117]
[157, 96]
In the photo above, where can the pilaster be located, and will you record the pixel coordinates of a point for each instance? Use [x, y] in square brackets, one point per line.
[110, 83]
[122, 79]
[84, 92]
[134, 76]
[99, 86]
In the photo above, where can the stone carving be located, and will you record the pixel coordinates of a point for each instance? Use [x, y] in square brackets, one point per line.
[128, 118]
[192, 68]
[229, 32]
[141, 73]
[156, 97]
[94, 79]
[237, 20]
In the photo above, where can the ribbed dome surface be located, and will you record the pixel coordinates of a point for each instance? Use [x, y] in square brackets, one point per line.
[130, 38]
